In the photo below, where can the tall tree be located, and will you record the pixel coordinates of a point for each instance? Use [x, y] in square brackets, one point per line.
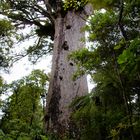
[62, 88]
[64, 27]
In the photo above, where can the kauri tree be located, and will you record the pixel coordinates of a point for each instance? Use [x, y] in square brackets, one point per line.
[61, 21]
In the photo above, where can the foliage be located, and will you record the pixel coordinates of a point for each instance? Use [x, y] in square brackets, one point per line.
[5, 28]
[23, 112]
[6, 41]
[74, 4]
[24, 21]
[92, 119]
[129, 60]
[113, 62]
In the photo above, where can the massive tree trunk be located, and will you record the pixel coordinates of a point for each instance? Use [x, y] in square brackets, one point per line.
[63, 89]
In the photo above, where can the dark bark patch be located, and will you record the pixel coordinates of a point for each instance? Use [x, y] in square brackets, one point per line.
[53, 108]
[65, 46]
[47, 117]
[68, 27]
[71, 63]
[61, 78]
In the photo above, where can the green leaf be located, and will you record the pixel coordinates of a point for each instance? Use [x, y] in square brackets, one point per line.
[117, 47]
[123, 57]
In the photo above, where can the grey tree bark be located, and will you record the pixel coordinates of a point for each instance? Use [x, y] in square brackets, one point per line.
[62, 88]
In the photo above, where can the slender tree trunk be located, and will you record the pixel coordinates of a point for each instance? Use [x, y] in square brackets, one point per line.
[63, 89]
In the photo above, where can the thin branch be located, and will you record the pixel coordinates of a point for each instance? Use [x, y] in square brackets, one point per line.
[20, 56]
[21, 18]
[46, 13]
[120, 20]
[49, 11]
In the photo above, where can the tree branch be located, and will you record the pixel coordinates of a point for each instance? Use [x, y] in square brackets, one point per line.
[120, 24]
[20, 56]
[46, 13]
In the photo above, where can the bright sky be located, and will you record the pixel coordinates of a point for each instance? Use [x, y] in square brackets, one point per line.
[24, 68]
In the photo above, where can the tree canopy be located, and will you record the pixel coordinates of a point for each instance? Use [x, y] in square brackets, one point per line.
[24, 109]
